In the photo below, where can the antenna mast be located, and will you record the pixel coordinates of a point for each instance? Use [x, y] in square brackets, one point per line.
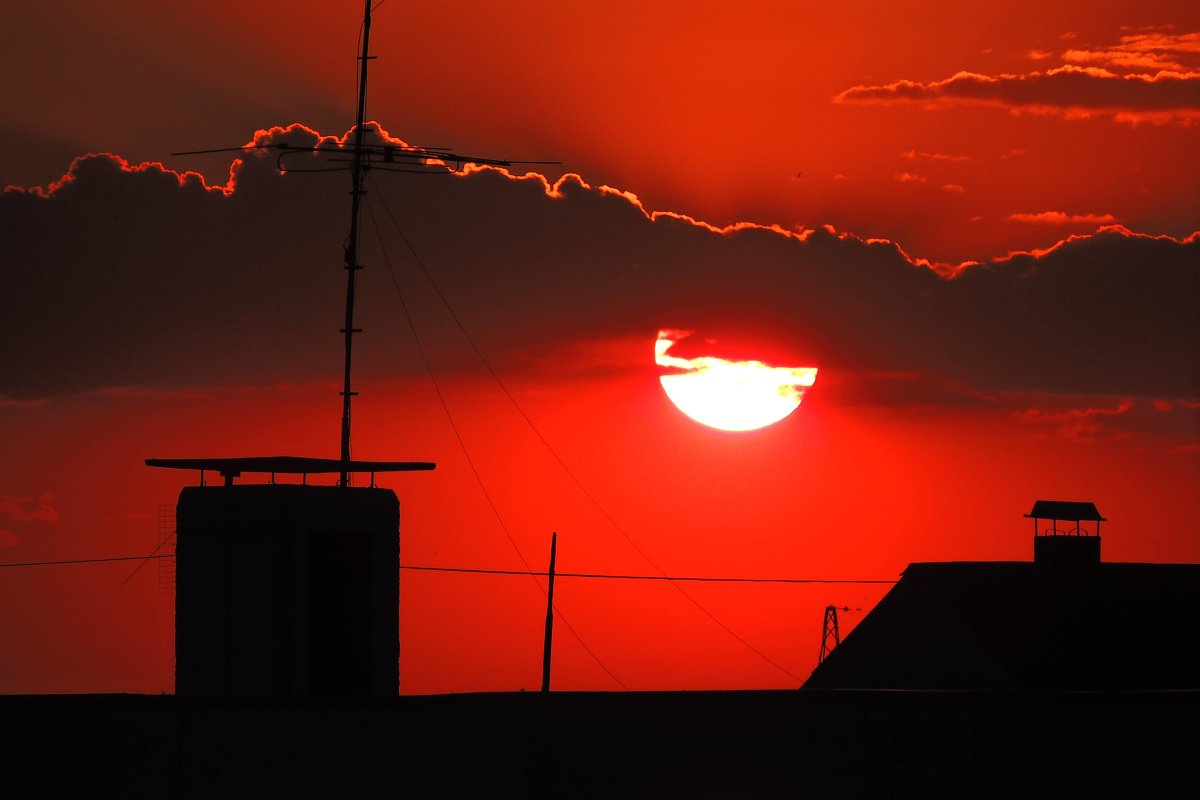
[352, 265]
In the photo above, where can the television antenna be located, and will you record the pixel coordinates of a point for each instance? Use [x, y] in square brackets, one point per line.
[363, 156]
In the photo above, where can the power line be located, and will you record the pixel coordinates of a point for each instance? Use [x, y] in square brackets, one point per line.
[532, 574]
[557, 574]
[86, 560]
[437, 387]
[595, 502]
[618, 577]
[462, 443]
[138, 568]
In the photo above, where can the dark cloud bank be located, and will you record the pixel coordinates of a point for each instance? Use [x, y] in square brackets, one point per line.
[1064, 87]
[132, 277]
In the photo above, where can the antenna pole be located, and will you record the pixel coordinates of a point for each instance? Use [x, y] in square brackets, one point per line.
[352, 265]
[547, 644]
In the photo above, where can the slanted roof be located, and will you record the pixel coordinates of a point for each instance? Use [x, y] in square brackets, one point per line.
[1021, 626]
[1065, 510]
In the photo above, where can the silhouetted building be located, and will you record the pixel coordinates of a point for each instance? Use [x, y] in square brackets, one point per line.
[1065, 621]
[287, 589]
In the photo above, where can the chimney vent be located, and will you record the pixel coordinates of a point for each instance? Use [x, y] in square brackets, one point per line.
[1066, 541]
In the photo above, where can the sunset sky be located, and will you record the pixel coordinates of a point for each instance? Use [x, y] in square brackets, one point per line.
[981, 226]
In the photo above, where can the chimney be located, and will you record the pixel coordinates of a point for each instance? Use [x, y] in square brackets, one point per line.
[287, 589]
[1066, 541]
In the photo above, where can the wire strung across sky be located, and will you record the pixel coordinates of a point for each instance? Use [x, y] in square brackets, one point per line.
[528, 571]
[458, 435]
[86, 560]
[481, 571]
[563, 464]
[618, 577]
[511, 572]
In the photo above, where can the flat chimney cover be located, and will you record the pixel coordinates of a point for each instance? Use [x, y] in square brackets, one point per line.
[1065, 510]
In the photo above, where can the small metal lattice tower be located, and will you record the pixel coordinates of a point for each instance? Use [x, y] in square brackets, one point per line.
[829, 630]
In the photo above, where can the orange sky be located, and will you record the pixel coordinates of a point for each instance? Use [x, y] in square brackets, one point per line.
[727, 116]
[144, 318]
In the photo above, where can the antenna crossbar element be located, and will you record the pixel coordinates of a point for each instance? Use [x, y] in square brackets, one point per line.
[390, 158]
[374, 156]
[361, 156]
[271, 146]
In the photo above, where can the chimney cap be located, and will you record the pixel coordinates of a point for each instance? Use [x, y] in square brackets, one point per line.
[1065, 510]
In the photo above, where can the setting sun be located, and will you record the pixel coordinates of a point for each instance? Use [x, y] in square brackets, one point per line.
[729, 395]
[762, 195]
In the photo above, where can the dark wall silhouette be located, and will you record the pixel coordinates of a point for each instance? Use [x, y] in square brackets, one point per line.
[1021, 626]
[790, 743]
[287, 590]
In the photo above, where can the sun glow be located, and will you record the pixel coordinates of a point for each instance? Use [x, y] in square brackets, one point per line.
[729, 395]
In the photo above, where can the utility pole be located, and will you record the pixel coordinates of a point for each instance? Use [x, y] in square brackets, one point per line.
[546, 648]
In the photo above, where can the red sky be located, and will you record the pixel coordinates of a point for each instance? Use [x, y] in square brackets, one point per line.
[874, 152]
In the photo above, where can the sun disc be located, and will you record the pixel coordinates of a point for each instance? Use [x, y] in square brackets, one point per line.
[730, 395]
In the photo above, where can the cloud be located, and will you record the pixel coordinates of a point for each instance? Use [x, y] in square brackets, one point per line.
[1134, 421]
[1069, 90]
[908, 177]
[26, 509]
[9, 539]
[1151, 50]
[1161, 39]
[914, 155]
[1062, 218]
[1076, 424]
[953, 187]
[133, 277]
[1119, 59]
[897, 391]
[1148, 76]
